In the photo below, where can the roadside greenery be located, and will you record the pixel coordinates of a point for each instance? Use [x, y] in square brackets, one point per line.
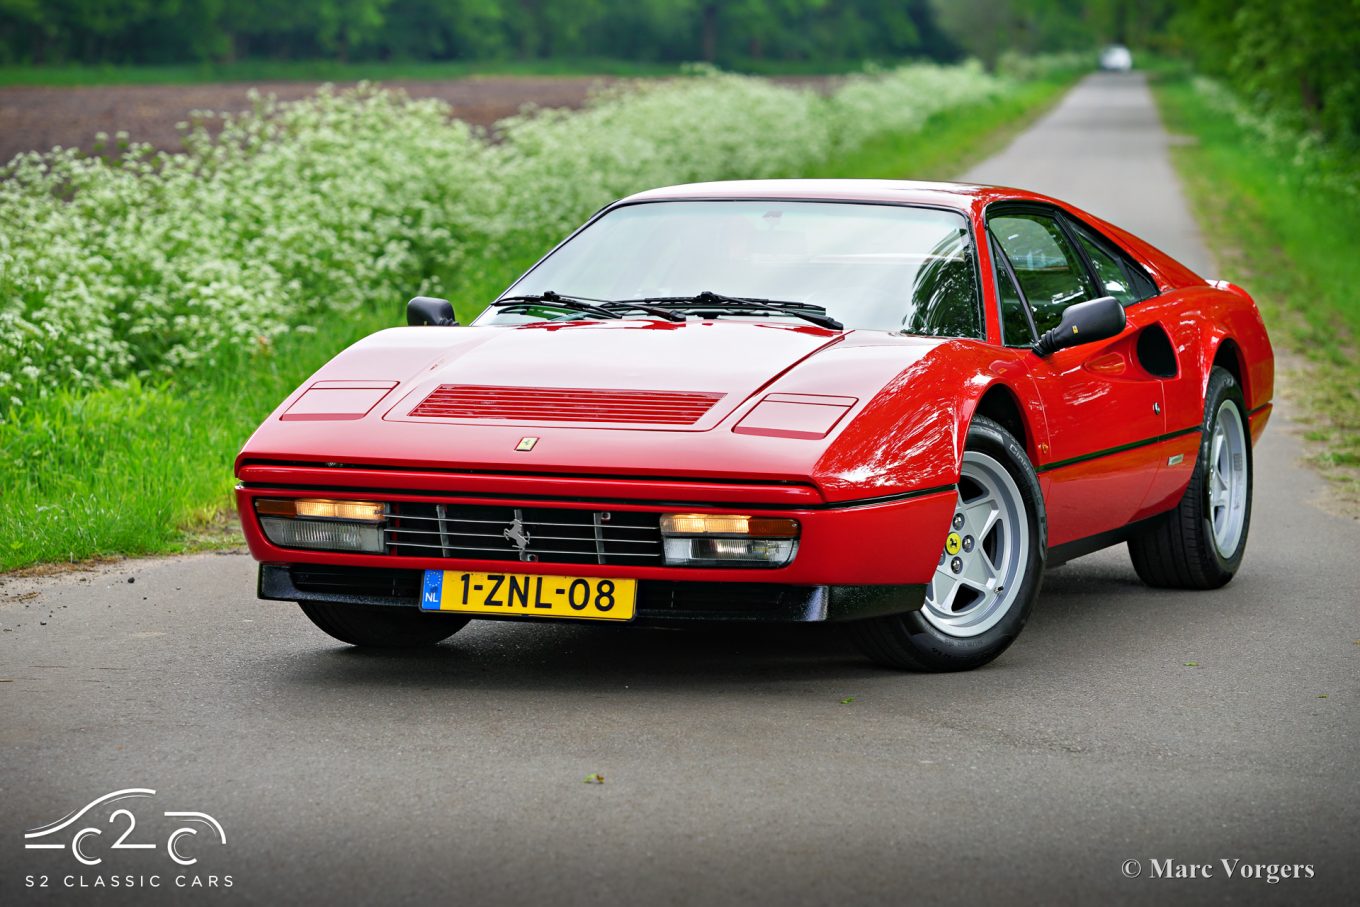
[1281, 208]
[155, 307]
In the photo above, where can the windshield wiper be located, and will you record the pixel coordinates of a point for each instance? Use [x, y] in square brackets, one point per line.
[556, 301]
[717, 302]
[601, 308]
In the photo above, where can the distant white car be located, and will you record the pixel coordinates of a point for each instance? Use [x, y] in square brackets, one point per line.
[1116, 58]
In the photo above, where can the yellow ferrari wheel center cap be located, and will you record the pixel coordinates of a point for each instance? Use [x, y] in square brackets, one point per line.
[954, 543]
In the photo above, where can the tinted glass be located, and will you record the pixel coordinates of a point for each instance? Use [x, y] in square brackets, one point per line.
[1050, 272]
[1014, 320]
[1114, 280]
[875, 267]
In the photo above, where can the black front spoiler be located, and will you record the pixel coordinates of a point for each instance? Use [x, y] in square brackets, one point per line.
[658, 601]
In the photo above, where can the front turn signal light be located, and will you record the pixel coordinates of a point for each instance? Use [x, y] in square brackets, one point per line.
[729, 525]
[323, 524]
[728, 540]
[321, 509]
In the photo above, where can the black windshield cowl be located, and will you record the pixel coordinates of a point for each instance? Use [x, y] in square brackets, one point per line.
[708, 302]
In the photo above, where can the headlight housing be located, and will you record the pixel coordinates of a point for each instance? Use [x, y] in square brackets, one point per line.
[323, 524]
[728, 540]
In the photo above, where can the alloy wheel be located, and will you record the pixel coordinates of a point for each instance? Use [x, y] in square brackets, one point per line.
[978, 577]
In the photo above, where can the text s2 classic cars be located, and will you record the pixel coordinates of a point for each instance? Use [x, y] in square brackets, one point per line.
[888, 404]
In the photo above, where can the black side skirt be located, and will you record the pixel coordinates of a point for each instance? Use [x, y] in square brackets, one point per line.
[1061, 554]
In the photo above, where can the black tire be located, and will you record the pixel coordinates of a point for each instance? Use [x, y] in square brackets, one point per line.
[910, 641]
[1179, 550]
[382, 626]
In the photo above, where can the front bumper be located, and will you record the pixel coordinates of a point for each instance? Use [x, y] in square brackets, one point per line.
[855, 559]
[659, 601]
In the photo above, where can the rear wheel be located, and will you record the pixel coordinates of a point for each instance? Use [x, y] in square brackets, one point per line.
[1199, 545]
[989, 571]
[383, 626]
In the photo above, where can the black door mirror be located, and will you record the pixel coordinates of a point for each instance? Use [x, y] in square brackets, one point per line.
[1085, 322]
[430, 310]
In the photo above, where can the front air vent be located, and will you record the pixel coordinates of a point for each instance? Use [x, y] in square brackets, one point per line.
[565, 404]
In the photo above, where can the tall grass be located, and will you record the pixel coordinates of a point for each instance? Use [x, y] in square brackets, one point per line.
[154, 309]
[1283, 214]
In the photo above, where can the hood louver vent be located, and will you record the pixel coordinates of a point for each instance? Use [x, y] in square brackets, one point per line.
[565, 404]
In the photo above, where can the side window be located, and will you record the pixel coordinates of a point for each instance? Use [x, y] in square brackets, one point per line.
[1050, 271]
[1015, 326]
[1119, 277]
[944, 298]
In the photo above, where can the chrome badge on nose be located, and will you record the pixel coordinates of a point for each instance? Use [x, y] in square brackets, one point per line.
[518, 536]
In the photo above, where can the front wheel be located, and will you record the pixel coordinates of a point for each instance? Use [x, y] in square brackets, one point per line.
[382, 626]
[989, 571]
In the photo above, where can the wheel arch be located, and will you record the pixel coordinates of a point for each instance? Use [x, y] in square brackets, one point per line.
[1228, 356]
[1000, 403]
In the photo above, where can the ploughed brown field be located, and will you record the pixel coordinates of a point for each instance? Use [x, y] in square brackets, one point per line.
[37, 118]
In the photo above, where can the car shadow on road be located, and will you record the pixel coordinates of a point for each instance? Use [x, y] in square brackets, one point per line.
[517, 655]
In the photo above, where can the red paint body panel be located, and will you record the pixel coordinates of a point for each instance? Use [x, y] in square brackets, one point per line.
[1094, 417]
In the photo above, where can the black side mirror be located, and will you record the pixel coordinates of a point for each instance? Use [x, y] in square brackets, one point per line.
[430, 310]
[1085, 322]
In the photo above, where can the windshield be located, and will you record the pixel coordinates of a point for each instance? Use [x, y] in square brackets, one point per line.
[871, 267]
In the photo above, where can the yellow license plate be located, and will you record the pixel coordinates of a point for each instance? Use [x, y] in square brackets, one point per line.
[586, 597]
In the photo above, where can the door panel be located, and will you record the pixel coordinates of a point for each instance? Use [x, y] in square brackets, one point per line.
[1103, 408]
[1097, 400]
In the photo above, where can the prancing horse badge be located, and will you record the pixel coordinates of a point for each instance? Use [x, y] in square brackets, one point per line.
[526, 444]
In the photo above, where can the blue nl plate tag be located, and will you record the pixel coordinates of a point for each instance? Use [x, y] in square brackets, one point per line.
[432, 590]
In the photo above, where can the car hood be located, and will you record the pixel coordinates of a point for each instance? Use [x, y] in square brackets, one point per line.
[660, 399]
[657, 375]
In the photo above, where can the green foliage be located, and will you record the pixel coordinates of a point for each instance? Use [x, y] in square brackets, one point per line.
[990, 29]
[1282, 213]
[1300, 60]
[156, 308]
[161, 31]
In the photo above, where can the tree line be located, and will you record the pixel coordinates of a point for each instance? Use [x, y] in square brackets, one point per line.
[176, 31]
[1300, 58]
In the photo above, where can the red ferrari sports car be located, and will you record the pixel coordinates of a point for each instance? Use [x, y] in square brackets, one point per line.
[888, 404]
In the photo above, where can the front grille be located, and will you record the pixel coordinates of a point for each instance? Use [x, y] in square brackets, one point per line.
[550, 535]
[565, 404]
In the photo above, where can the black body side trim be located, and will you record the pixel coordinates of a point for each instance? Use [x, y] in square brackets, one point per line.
[659, 601]
[1133, 445]
[1061, 554]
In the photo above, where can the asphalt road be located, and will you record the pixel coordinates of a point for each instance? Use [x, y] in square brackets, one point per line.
[1126, 724]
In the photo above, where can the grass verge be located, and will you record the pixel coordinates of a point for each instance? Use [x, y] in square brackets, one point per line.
[1291, 242]
[147, 468]
[953, 140]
